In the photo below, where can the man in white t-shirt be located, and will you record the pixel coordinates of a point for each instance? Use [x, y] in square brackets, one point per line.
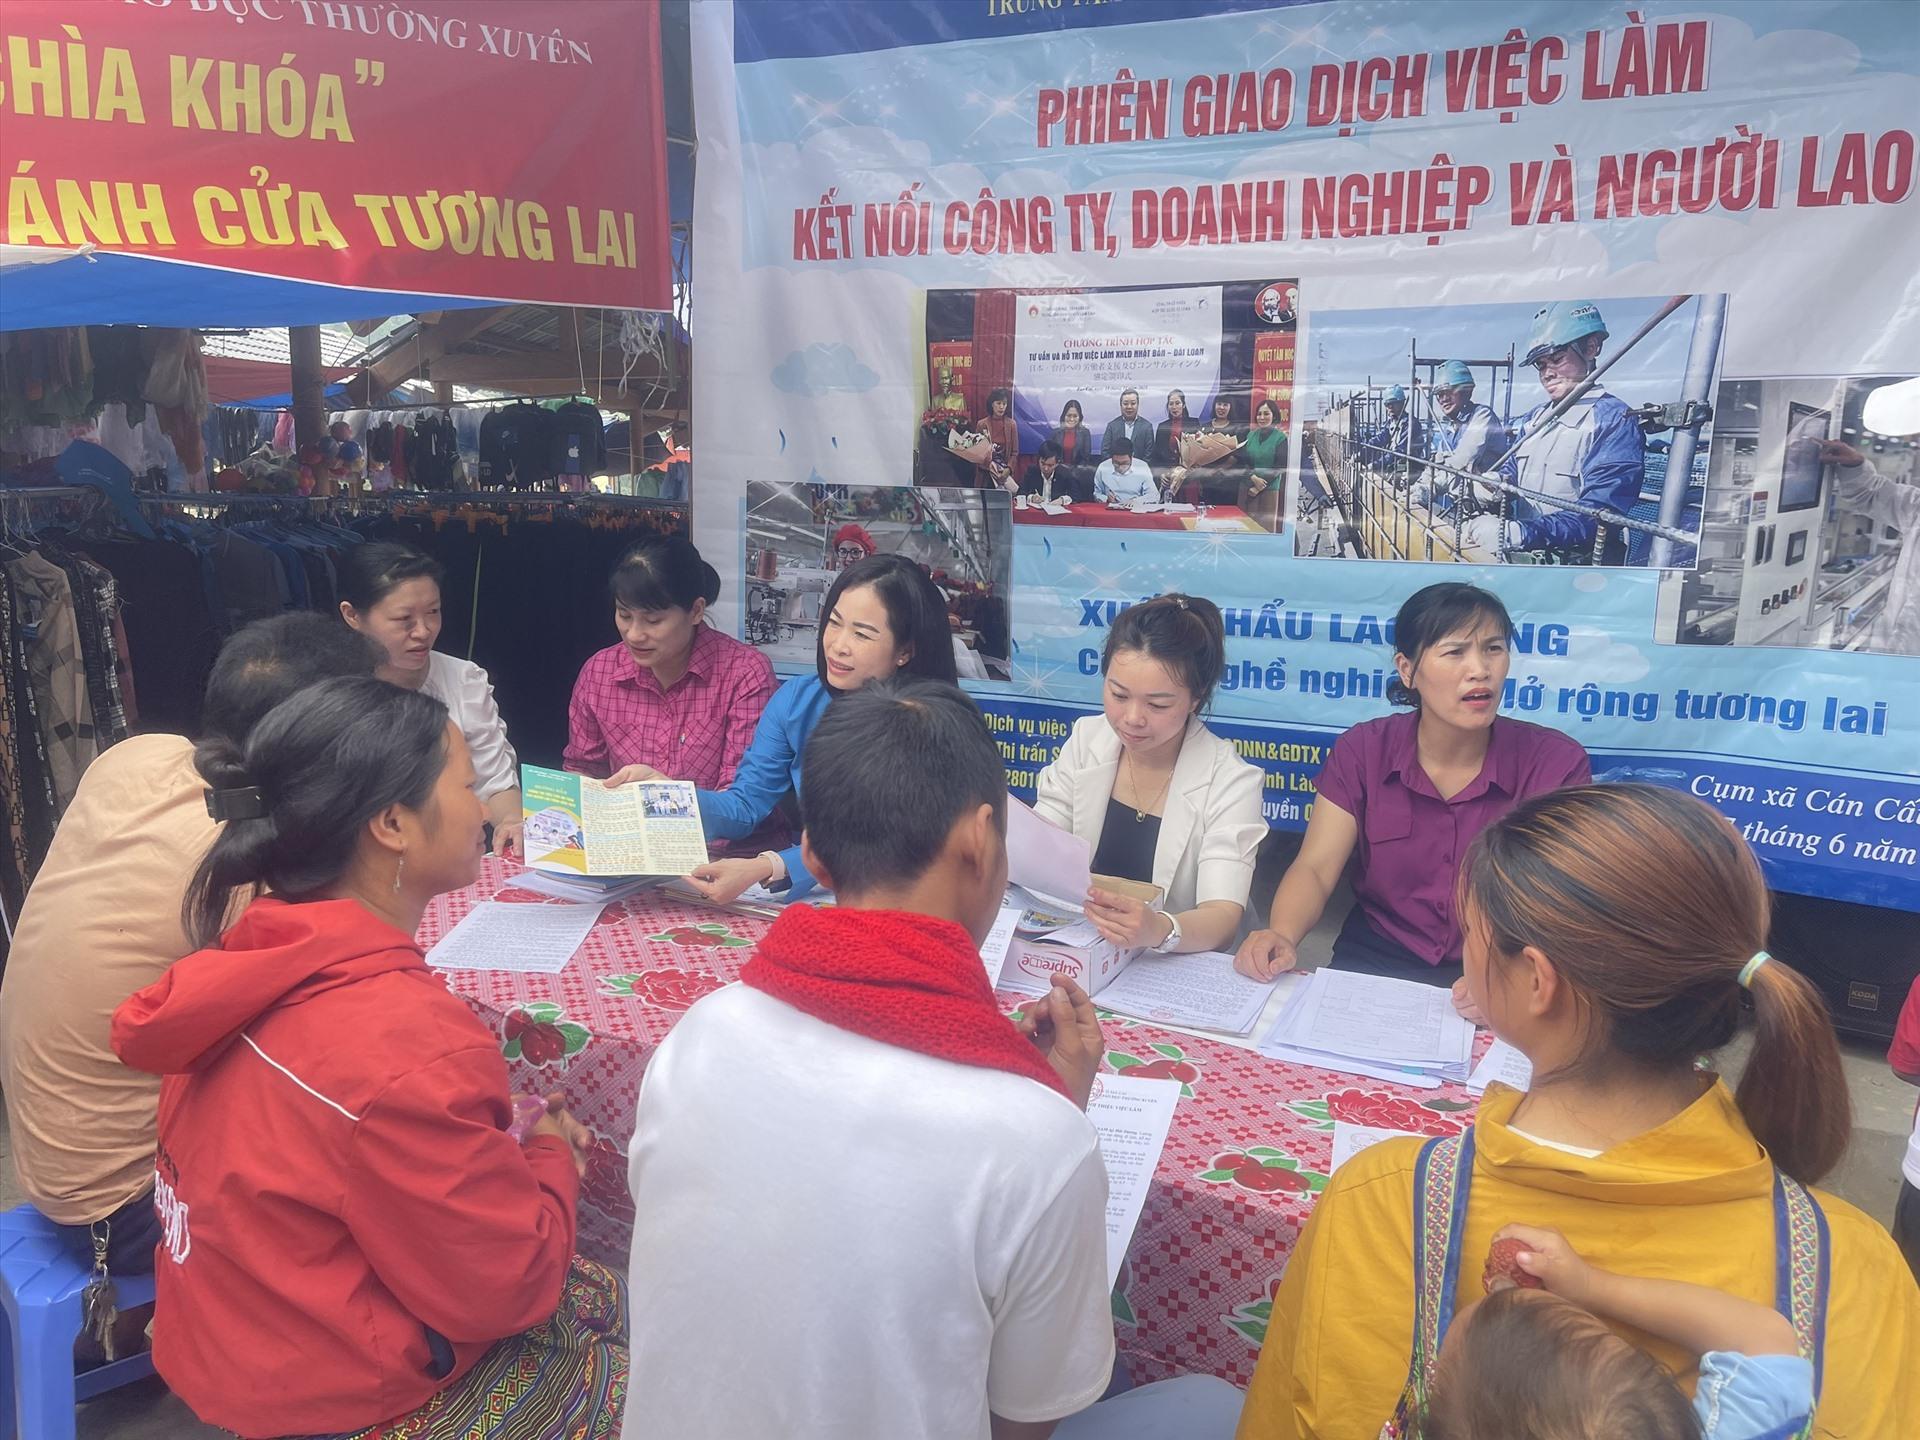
[869, 1207]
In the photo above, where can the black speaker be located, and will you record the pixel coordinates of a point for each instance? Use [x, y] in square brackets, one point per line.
[1863, 959]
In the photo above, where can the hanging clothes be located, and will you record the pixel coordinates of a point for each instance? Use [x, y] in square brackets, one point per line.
[577, 447]
[516, 447]
[56, 670]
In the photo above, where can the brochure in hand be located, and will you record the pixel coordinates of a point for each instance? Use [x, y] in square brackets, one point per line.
[577, 826]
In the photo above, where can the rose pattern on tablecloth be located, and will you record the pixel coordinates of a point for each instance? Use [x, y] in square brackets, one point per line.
[702, 937]
[541, 1034]
[605, 1182]
[1263, 1170]
[1384, 1110]
[669, 989]
[1169, 1062]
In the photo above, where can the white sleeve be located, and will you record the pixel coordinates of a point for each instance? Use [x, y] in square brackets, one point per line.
[473, 707]
[1053, 791]
[1053, 1327]
[1885, 500]
[1235, 826]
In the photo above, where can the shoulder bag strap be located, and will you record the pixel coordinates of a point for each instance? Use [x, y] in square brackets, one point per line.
[1441, 1180]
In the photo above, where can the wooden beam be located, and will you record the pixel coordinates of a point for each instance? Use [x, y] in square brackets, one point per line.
[551, 371]
[412, 356]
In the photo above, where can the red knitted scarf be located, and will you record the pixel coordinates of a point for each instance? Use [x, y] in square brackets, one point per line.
[902, 979]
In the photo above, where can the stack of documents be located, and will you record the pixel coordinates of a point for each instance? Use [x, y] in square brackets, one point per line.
[579, 889]
[1200, 990]
[1397, 1030]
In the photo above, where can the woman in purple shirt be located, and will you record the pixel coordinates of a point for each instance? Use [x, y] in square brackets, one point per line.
[1403, 796]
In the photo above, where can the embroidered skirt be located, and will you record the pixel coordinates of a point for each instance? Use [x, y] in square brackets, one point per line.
[565, 1379]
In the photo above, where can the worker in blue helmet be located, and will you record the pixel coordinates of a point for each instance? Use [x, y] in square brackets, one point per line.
[1594, 452]
[1400, 445]
[1466, 434]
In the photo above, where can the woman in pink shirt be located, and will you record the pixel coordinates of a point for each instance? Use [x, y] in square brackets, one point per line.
[675, 694]
[1402, 797]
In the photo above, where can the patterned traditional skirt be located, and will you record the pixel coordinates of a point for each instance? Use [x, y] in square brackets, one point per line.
[565, 1379]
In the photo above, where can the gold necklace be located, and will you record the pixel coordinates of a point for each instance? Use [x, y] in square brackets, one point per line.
[1139, 815]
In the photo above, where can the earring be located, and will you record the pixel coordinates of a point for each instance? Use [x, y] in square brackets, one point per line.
[398, 871]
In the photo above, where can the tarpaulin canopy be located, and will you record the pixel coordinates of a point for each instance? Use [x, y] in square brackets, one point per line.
[101, 288]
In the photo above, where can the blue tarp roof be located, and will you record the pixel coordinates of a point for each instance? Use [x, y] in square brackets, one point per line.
[111, 289]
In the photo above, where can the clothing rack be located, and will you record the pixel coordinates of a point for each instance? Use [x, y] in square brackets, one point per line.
[14, 497]
[333, 409]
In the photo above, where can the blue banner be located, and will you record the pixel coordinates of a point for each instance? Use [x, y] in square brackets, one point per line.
[1303, 307]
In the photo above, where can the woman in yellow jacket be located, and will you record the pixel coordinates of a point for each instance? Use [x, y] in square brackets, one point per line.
[1610, 931]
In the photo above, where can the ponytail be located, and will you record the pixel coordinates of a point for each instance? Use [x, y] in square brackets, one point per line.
[312, 774]
[239, 854]
[1793, 1093]
[1651, 907]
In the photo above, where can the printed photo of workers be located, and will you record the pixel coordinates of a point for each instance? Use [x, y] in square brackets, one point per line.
[1136, 407]
[801, 538]
[1812, 528]
[1564, 432]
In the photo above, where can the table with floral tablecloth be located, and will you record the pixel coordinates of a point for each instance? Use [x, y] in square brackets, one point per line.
[1249, 1150]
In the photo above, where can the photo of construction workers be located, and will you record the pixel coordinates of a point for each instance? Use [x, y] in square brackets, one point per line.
[1566, 432]
[1812, 529]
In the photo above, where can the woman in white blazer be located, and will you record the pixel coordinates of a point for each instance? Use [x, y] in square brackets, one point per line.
[1158, 796]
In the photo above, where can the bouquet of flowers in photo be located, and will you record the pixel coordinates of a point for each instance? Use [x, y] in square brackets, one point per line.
[1204, 447]
[970, 445]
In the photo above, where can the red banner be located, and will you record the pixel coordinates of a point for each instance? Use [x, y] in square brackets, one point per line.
[493, 149]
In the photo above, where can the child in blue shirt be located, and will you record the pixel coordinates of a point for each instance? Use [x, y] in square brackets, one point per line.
[1543, 1363]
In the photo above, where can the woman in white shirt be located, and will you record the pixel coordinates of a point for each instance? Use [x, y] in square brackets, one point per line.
[392, 594]
[1158, 796]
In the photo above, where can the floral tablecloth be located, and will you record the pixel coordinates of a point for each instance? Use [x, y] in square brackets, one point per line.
[1249, 1150]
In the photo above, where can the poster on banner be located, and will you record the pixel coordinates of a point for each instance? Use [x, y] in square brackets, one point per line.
[1692, 227]
[1811, 530]
[1568, 457]
[1098, 346]
[310, 141]
[1180, 374]
[800, 537]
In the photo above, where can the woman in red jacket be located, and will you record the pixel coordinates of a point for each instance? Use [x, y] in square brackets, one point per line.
[354, 1243]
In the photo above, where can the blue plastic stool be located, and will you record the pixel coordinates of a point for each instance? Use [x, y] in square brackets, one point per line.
[40, 1287]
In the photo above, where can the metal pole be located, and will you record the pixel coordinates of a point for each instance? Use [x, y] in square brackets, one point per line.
[309, 386]
[1707, 325]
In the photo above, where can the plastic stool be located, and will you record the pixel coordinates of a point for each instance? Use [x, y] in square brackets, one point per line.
[40, 1288]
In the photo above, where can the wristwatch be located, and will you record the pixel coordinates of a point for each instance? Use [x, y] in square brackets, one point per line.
[1173, 933]
[779, 880]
